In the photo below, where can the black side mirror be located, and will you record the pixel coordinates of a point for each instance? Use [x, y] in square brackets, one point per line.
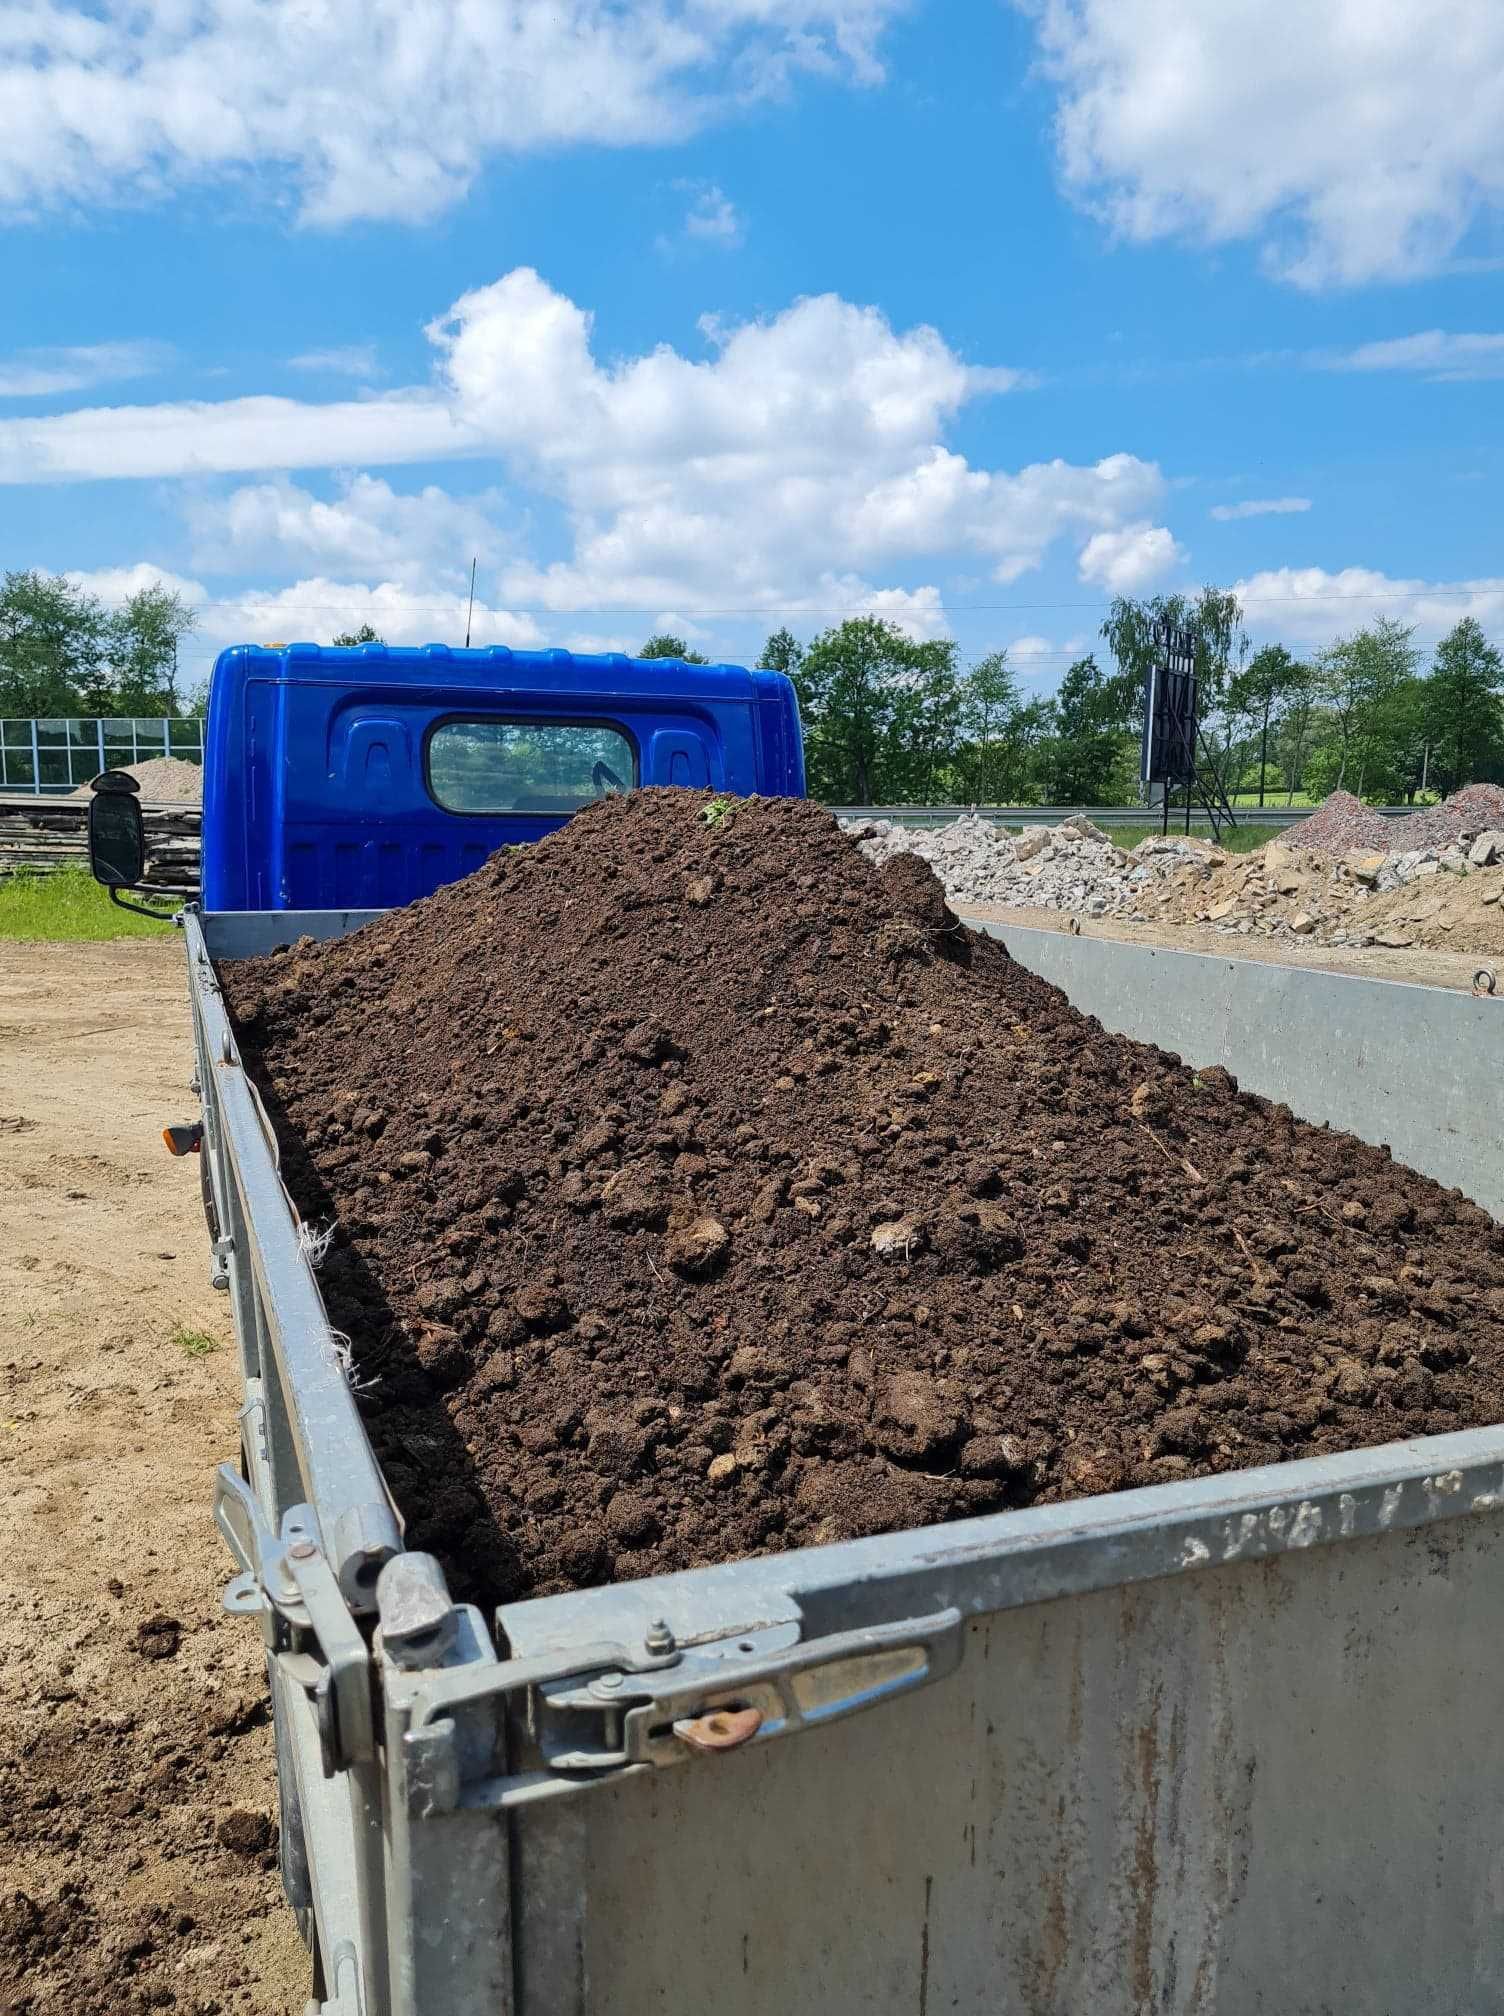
[117, 838]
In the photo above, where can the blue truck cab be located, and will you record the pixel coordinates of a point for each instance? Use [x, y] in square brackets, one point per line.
[358, 778]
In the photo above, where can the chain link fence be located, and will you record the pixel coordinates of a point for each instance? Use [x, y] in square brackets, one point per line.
[49, 758]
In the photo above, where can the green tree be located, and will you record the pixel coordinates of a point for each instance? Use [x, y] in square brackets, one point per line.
[782, 653]
[1460, 708]
[364, 635]
[1215, 621]
[1293, 727]
[1019, 752]
[1084, 760]
[1214, 618]
[141, 641]
[1256, 692]
[665, 645]
[989, 701]
[52, 647]
[881, 712]
[1369, 685]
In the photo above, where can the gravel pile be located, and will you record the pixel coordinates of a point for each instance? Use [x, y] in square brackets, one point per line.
[1074, 866]
[1342, 823]
[164, 780]
[1475, 809]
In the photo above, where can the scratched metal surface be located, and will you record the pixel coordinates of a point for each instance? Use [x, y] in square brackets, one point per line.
[1269, 1787]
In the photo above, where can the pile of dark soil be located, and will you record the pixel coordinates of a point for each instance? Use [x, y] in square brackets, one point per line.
[702, 1190]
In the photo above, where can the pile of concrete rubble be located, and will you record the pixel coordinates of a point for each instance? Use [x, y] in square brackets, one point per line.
[1419, 896]
[1445, 893]
[1074, 866]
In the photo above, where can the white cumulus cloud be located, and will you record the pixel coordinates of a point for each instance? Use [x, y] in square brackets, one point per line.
[316, 609]
[799, 461]
[1355, 140]
[1131, 558]
[381, 108]
[367, 527]
[1312, 605]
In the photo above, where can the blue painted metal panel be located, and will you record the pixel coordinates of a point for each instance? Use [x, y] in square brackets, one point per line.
[315, 788]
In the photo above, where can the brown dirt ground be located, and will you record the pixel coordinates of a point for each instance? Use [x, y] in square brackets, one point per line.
[116, 1766]
[700, 1190]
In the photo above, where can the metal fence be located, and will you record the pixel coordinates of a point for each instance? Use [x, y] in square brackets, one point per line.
[45, 758]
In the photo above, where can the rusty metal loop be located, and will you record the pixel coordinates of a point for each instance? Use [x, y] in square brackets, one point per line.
[1483, 980]
[721, 1729]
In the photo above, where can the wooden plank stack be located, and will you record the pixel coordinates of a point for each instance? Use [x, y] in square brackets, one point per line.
[39, 835]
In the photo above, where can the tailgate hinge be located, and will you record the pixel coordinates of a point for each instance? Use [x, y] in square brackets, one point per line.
[287, 1581]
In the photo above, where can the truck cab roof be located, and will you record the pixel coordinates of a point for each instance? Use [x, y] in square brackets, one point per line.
[357, 777]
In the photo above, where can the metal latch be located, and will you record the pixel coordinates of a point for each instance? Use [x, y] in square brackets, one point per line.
[709, 1702]
[287, 1581]
[613, 1712]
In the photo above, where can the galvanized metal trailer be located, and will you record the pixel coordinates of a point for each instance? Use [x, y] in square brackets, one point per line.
[1229, 1745]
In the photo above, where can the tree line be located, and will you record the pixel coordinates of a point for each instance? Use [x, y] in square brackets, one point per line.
[891, 719]
[63, 651]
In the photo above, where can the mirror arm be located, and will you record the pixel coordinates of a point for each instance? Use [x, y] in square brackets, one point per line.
[141, 910]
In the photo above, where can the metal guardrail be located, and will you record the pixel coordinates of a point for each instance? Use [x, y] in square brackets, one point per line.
[1101, 815]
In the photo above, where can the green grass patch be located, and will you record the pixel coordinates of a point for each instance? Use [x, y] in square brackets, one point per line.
[67, 906]
[1239, 839]
[194, 1343]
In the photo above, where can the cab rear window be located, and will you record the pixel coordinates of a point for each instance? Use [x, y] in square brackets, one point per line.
[527, 766]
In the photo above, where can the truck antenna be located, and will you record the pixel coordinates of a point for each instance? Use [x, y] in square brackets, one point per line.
[470, 612]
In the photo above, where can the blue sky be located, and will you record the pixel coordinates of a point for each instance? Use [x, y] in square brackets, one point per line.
[726, 313]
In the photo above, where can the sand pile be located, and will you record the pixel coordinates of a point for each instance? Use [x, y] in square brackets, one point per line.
[700, 1190]
[164, 780]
